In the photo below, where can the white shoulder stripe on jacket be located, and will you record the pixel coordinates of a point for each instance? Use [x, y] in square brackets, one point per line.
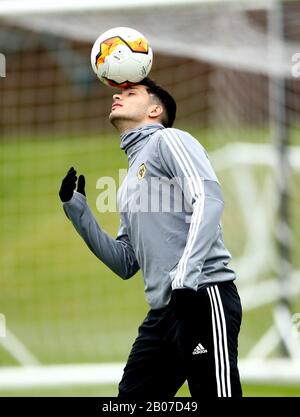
[197, 191]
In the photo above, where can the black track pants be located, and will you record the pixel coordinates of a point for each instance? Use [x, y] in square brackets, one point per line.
[201, 349]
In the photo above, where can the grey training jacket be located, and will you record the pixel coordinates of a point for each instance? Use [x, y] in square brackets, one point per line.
[170, 205]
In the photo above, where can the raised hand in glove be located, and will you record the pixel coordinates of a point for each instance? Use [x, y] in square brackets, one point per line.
[68, 185]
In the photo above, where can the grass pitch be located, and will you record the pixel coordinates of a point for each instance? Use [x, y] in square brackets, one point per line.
[59, 300]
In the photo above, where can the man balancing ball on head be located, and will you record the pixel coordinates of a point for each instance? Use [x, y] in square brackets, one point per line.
[191, 331]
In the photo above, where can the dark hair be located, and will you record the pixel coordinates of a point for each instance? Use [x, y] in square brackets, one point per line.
[164, 98]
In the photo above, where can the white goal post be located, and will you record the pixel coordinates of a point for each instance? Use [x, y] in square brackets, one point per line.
[19, 7]
[274, 372]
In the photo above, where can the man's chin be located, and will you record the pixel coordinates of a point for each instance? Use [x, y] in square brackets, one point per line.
[116, 120]
[112, 117]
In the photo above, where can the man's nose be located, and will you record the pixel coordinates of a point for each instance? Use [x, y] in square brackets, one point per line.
[116, 97]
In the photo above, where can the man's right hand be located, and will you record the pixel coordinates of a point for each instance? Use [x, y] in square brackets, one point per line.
[68, 185]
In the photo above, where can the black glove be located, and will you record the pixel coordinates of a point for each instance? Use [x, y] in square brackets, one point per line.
[184, 303]
[81, 185]
[68, 185]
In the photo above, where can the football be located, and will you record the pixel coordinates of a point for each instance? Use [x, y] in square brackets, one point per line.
[121, 57]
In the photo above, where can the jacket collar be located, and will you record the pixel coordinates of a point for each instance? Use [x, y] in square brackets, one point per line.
[133, 140]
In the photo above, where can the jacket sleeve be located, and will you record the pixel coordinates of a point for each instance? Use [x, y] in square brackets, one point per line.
[184, 159]
[117, 253]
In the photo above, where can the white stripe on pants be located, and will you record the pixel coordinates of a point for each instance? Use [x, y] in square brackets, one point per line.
[220, 343]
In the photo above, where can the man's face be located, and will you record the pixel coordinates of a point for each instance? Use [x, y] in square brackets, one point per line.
[131, 107]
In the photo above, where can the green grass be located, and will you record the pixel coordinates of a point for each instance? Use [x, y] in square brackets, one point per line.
[111, 391]
[51, 284]
[58, 299]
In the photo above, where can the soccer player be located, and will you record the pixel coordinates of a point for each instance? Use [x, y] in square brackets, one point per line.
[191, 331]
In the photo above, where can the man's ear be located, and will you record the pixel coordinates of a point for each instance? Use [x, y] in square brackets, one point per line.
[155, 110]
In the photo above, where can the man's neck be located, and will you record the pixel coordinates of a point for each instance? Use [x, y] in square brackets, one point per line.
[124, 126]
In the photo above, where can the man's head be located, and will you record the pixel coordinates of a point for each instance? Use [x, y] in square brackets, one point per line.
[143, 103]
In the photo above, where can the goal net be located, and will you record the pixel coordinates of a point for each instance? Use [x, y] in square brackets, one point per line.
[233, 69]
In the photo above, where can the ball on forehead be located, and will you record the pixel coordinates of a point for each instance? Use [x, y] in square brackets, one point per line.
[121, 57]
